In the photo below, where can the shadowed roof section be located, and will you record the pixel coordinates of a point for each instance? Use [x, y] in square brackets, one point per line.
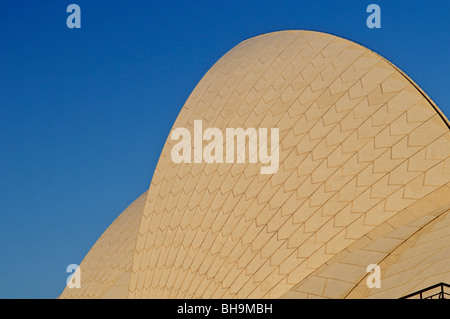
[364, 156]
[106, 269]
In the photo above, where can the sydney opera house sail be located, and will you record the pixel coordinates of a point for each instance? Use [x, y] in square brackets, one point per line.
[363, 179]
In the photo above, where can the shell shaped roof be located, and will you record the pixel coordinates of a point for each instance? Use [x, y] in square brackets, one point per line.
[361, 149]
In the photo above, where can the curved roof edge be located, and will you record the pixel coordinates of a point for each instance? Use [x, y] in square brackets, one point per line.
[403, 73]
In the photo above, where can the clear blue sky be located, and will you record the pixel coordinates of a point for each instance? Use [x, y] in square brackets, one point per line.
[84, 113]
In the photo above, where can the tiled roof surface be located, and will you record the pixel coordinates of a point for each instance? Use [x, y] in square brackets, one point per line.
[364, 154]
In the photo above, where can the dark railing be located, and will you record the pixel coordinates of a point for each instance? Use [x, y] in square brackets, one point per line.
[427, 293]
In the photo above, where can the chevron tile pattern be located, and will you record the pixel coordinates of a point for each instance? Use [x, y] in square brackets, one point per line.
[106, 269]
[344, 275]
[360, 143]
